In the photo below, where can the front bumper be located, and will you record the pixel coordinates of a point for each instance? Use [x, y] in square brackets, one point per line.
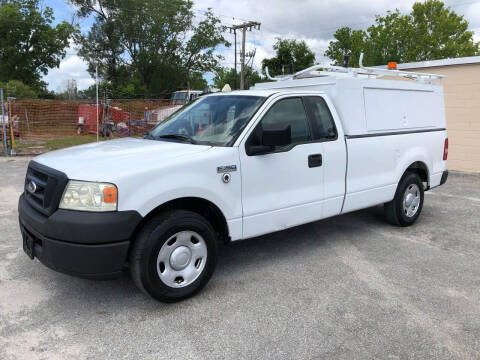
[84, 244]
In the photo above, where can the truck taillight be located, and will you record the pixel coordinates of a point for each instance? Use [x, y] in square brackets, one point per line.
[445, 149]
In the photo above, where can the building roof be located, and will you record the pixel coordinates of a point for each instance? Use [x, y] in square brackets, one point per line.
[436, 63]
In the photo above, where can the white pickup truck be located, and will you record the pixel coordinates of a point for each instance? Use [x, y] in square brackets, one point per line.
[232, 166]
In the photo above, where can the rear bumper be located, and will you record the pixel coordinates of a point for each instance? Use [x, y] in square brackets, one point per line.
[84, 244]
[443, 180]
[437, 179]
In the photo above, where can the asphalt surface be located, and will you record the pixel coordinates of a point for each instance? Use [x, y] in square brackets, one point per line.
[350, 287]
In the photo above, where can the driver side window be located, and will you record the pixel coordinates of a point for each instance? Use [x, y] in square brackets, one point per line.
[289, 112]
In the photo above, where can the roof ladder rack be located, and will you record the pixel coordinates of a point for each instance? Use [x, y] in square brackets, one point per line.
[330, 70]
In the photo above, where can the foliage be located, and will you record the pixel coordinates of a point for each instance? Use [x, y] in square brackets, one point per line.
[131, 90]
[289, 52]
[154, 42]
[431, 31]
[390, 39]
[349, 42]
[29, 43]
[225, 76]
[440, 32]
[17, 89]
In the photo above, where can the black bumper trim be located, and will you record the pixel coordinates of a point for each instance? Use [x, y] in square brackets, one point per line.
[84, 244]
[81, 227]
[104, 261]
[444, 177]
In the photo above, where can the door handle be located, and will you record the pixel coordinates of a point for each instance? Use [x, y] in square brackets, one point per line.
[314, 160]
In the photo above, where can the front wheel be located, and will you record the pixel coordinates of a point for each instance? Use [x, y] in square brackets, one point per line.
[174, 255]
[407, 204]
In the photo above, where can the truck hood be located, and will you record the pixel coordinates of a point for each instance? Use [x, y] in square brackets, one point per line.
[107, 160]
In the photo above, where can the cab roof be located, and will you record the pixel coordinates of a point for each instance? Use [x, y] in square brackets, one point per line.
[261, 93]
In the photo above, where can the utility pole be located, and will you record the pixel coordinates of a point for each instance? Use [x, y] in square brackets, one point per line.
[244, 27]
[235, 69]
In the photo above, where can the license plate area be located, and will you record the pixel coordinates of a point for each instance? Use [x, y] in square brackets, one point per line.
[28, 245]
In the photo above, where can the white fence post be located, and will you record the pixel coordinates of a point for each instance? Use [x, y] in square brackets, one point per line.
[4, 125]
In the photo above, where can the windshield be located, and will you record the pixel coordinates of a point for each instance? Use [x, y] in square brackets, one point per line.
[212, 120]
[182, 95]
[179, 98]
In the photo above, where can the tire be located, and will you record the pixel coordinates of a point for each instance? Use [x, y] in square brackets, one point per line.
[407, 204]
[162, 248]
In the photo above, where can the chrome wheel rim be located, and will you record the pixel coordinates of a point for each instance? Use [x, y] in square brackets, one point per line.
[181, 259]
[411, 200]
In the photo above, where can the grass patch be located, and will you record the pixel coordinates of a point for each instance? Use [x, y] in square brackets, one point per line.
[36, 146]
[60, 143]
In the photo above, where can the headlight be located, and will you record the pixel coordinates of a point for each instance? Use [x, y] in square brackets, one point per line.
[89, 196]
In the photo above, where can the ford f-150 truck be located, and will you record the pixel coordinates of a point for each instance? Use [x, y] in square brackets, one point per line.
[232, 166]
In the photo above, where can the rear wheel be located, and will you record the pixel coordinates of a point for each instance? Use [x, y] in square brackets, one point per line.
[407, 204]
[174, 255]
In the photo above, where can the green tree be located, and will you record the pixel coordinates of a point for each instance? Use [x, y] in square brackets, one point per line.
[16, 88]
[197, 82]
[289, 52]
[29, 43]
[101, 47]
[440, 33]
[225, 76]
[154, 41]
[431, 31]
[348, 42]
[132, 90]
[390, 39]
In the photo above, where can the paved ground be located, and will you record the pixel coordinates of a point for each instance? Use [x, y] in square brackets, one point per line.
[350, 287]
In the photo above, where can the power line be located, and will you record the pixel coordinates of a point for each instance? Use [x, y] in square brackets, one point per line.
[204, 12]
[244, 27]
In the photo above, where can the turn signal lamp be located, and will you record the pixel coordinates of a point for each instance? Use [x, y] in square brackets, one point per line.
[110, 195]
[392, 65]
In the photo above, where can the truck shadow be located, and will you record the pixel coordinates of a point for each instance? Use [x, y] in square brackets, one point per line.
[296, 241]
[252, 254]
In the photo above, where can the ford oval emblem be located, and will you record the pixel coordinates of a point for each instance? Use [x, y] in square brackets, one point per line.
[31, 187]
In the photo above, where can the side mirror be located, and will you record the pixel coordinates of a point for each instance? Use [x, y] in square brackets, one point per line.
[277, 136]
[270, 138]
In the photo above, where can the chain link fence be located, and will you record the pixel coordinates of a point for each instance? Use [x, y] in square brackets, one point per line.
[30, 124]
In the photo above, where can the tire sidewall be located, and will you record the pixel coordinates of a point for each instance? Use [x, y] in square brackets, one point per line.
[183, 221]
[408, 180]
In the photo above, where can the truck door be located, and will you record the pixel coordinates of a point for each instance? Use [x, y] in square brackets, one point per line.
[323, 118]
[284, 187]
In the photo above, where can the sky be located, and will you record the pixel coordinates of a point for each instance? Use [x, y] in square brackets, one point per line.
[314, 21]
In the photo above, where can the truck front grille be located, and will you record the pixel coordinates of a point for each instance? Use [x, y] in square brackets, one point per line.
[44, 187]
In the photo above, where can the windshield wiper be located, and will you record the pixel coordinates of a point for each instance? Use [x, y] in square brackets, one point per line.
[149, 136]
[180, 137]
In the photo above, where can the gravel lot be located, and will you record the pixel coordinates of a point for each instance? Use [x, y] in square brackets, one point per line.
[347, 287]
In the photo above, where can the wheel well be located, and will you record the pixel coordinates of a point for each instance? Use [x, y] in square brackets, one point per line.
[203, 207]
[421, 170]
